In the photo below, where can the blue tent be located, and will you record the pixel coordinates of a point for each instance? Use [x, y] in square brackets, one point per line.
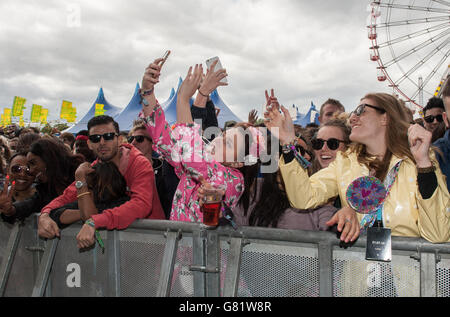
[170, 106]
[110, 110]
[130, 112]
[225, 113]
[312, 116]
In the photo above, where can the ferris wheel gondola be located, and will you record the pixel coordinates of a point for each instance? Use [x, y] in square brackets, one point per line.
[410, 43]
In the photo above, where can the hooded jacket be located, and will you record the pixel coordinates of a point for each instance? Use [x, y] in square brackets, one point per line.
[140, 179]
[406, 213]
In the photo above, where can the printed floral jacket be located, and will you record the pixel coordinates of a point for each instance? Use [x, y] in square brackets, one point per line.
[184, 148]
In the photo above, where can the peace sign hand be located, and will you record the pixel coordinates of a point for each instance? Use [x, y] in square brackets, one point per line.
[6, 205]
[271, 101]
[279, 124]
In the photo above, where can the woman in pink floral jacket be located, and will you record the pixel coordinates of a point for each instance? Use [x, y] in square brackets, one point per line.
[183, 147]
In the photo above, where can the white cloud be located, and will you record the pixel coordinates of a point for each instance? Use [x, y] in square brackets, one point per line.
[305, 50]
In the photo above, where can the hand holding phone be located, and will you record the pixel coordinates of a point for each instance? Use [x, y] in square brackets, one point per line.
[218, 67]
[165, 56]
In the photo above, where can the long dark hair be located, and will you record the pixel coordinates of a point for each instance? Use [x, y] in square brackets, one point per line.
[60, 163]
[106, 182]
[249, 172]
[272, 200]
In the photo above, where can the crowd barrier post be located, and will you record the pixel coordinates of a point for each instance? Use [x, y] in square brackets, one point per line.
[428, 274]
[234, 268]
[113, 252]
[10, 252]
[325, 250]
[45, 268]
[198, 258]
[168, 263]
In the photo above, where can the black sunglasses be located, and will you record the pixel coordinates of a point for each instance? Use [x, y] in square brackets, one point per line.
[95, 138]
[17, 169]
[431, 118]
[332, 143]
[360, 109]
[139, 138]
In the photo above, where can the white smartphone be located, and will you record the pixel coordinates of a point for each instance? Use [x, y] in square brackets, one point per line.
[211, 60]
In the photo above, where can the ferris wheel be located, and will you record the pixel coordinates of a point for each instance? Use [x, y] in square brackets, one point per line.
[410, 44]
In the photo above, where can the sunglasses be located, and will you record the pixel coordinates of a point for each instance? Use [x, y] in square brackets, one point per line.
[431, 118]
[95, 138]
[17, 169]
[138, 138]
[361, 108]
[332, 143]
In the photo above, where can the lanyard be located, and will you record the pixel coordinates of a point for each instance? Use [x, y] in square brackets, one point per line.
[369, 219]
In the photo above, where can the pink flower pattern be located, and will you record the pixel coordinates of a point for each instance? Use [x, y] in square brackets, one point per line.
[185, 150]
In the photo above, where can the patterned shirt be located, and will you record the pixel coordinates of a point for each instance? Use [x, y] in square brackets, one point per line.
[184, 148]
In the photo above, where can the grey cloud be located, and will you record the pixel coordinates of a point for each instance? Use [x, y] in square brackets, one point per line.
[305, 50]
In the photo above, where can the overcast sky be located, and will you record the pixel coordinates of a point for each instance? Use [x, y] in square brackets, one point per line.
[305, 50]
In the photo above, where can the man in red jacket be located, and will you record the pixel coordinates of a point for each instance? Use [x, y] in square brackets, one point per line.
[137, 171]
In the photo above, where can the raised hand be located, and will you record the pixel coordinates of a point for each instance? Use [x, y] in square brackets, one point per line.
[279, 124]
[6, 206]
[191, 82]
[151, 75]
[212, 80]
[253, 117]
[272, 101]
[419, 143]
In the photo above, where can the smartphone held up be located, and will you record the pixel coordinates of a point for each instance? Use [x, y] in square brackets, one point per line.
[165, 56]
[210, 61]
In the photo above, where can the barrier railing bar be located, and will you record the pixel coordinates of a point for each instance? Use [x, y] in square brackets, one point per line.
[10, 252]
[198, 259]
[325, 254]
[113, 252]
[428, 275]
[168, 263]
[213, 262]
[230, 288]
[302, 236]
[45, 268]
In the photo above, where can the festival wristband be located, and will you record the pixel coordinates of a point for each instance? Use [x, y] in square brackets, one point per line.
[91, 223]
[290, 148]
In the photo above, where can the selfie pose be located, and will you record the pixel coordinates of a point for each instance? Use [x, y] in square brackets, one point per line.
[387, 147]
[184, 149]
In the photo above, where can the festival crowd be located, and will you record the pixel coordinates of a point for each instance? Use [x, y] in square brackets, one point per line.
[270, 172]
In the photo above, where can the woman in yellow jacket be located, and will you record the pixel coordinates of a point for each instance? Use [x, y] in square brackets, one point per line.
[417, 204]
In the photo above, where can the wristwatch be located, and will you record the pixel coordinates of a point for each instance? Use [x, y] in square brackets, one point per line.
[79, 184]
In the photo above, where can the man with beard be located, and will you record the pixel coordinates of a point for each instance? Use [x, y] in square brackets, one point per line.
[139, 176]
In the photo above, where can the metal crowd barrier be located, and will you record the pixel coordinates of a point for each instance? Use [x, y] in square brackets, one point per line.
[177, 259]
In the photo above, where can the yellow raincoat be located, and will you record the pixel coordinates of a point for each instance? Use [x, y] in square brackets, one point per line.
[406, 213]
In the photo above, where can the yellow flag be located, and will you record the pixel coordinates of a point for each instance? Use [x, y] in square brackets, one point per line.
[21, 122]
[72, 115]
[99, 109]
[6, 116]
[36, 113]
[18, 106]
[43, 117]
[65, 109]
